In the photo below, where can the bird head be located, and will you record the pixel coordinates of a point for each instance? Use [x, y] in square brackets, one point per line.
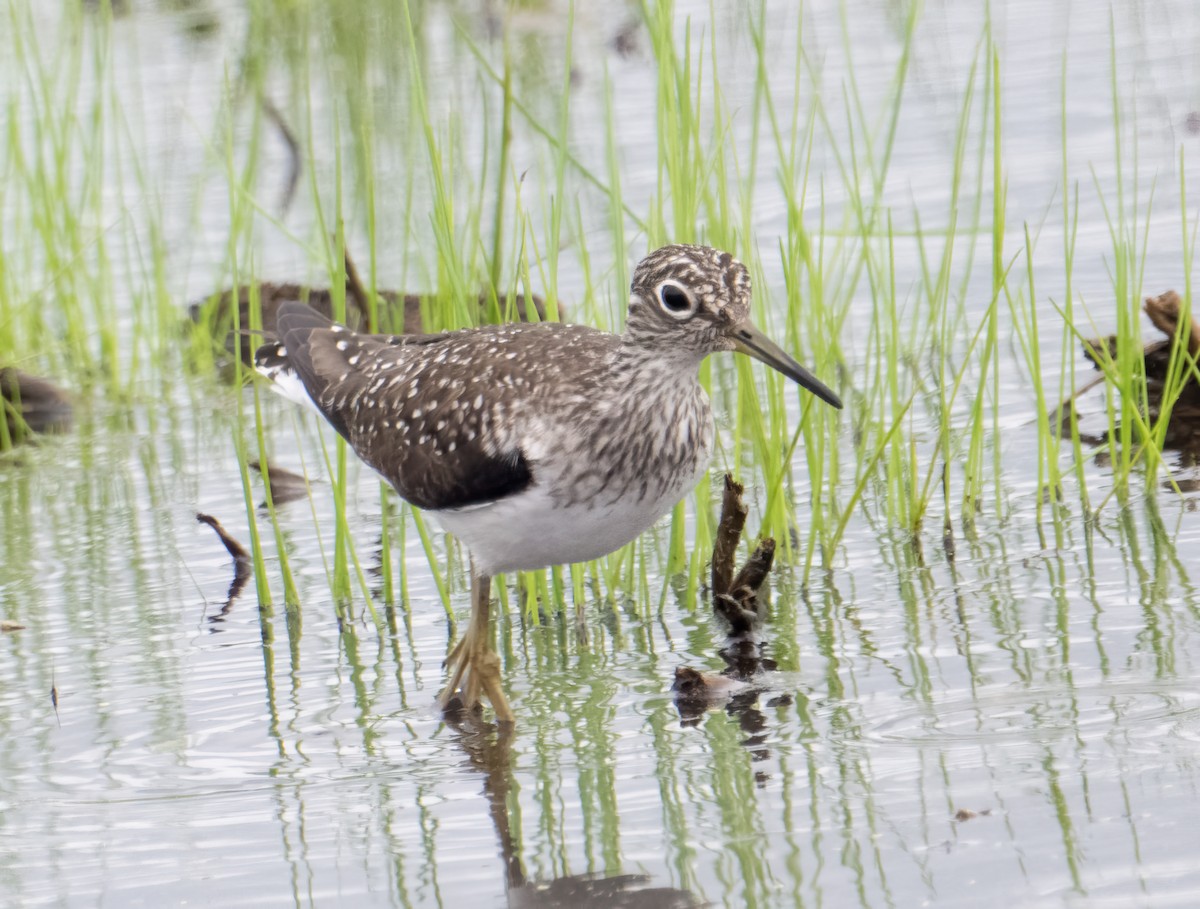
[695, 300]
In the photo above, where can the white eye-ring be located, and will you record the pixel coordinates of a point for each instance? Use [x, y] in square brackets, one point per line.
[676, 300]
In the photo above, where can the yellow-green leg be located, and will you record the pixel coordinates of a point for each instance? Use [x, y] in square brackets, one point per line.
[474, 666]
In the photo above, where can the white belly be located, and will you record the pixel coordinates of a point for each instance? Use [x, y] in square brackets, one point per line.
[529, 530]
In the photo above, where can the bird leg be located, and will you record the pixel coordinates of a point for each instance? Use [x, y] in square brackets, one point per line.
[474, 666]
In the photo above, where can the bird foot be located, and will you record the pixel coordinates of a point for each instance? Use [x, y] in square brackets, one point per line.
[474, 675]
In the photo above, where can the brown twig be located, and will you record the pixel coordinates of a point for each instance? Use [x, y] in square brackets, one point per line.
[756, 569]
[235, 549]
[358, 290]
[293, 177]
[735, 597]
[241, 565]
[729, 533]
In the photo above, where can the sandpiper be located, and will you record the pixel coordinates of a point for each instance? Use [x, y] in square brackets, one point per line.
[534, 444]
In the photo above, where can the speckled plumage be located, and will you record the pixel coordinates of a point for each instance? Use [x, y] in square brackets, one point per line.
[538, 444]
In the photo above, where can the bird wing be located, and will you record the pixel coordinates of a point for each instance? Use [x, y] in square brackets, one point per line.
[439, 416]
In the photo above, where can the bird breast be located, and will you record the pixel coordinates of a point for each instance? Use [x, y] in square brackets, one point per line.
[644, 449]
[604, 471]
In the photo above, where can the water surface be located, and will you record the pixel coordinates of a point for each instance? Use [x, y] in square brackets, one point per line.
[1016, 726]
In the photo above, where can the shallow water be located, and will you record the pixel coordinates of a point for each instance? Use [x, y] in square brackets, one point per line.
[1016, 726]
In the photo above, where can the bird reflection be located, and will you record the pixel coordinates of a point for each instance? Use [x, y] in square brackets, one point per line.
[488, 748]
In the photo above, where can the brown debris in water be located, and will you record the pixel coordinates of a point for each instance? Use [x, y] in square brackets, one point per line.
[692, 684]
[625, 41]
[235, 549]
[754, 574]
[729, 534]
[241, 566]
[285, 486]
[395, 312]
[7, 626]
[736, 599]
[295, 159]
[966, 814]
[1165, 313]
[32, 405]
[54, 698]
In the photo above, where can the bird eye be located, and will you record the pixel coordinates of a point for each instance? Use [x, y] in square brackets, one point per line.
[675, 300]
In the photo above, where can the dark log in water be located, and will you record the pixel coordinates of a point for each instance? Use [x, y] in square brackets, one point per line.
[394, 312]
[284, 485]
[32, 405]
